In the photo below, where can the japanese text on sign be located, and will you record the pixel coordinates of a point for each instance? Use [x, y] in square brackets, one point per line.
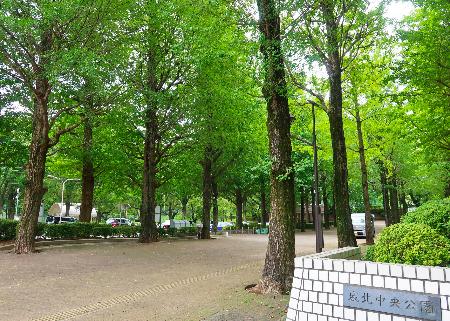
[410, 304]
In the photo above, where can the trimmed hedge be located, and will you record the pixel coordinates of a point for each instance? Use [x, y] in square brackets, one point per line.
[191, 231]
[416, 244]
[435, 214]
[80, 230]
[8, 229]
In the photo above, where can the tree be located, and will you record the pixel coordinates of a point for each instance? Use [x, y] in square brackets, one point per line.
[38, 42]
[279, 264]
[159, 66]
[424, 69]
[334, 33]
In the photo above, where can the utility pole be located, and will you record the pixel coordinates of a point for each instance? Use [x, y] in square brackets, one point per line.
[316, 210]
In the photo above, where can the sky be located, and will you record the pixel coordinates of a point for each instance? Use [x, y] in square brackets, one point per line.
[398, 9]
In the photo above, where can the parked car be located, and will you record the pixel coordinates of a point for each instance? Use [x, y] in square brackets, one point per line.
[118, 221]
[64, 219]
[359, 224]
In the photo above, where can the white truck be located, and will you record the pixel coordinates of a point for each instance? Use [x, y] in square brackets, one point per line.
[359, 224]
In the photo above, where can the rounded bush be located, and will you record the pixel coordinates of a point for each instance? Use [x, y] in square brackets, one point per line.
[435, 214]
[369, 256]
[416, 244]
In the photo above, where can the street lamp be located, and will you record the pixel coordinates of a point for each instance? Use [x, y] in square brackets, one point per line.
[317, 216]
[64, 181]
[17, 201]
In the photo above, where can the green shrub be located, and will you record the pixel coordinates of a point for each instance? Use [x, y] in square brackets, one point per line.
[187, 231]
[126, 231]
[435, 214]
[8, 229]
[416, 244]
[251, 225]
[102, 230]
[171, 231]
[40, 229]
[369, 256]
[83, 230]
[62, 231]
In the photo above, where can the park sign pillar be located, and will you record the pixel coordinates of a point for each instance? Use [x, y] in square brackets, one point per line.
[316, 210]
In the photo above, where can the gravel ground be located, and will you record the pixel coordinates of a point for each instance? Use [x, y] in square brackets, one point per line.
[170, 280]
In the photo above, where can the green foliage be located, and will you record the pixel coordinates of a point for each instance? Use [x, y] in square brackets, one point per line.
[126, 231]
[192, 230]
[370, 251]
[40, 229]
[8, 229]
[103, 230]
[435, 214]
[69, 231]
[251, 225]
[415, 244]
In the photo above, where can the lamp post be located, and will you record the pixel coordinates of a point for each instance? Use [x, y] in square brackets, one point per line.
[64, 181]
[17, 201]
[317, 216]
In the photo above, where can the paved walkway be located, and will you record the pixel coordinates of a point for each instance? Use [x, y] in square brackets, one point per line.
[170, 280]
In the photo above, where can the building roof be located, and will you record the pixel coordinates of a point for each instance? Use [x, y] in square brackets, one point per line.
[74, 210]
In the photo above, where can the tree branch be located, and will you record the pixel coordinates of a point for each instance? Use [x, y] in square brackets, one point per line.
[55, 139]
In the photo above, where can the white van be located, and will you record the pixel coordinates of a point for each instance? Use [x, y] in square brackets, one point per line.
[359, 224]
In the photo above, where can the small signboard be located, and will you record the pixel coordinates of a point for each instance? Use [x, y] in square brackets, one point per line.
[403, 303]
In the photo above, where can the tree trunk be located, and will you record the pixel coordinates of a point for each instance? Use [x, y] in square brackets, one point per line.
[35, 172]
[244, 207]
[303, 204]
[364, 181]
[385, 192]
[326, 206]
[87, 176]
[171, 214]
[149, 230]
[394, 201]
[404, 204]
[279, 264]
[11, 202]
[207, 193]
[215, 204]
[193, 212]
[308, 213]
[184, 202]
[345, 232]
[239, 201]
[40, 143]
[67, 205]
[312, 203]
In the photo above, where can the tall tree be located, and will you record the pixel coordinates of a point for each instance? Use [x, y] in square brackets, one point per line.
[279, 264]
[333, 33]
[158, 61]
[37, 42]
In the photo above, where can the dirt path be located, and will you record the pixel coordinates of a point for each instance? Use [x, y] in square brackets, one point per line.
[170, 280]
